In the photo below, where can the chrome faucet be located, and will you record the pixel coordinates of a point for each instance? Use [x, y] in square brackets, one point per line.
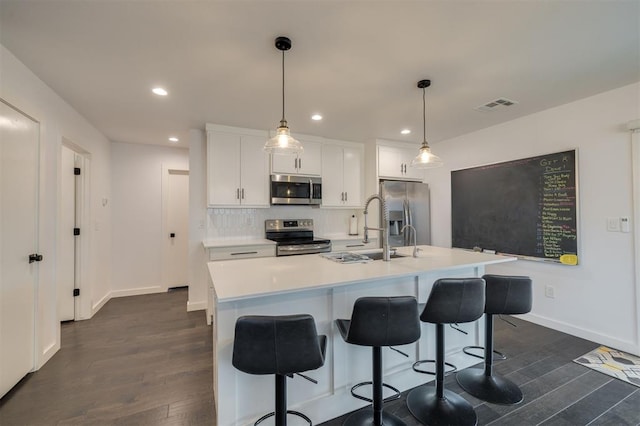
[384, 229]
[415, 238]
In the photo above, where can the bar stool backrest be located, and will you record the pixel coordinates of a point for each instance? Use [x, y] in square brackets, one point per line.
[277, 344]
[508, 294]
[384, 321]
[454, 300]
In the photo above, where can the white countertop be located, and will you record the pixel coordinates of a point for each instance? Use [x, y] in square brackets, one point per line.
[236, 242]
[248, 278]
[343, 237]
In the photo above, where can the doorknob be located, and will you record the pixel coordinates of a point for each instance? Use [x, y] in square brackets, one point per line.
[172, 235]
[35, 258]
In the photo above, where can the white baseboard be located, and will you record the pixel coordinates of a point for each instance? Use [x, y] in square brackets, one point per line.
[136, 291]
[196, 306]
[603, 339]
[97, 306]
[47, 354]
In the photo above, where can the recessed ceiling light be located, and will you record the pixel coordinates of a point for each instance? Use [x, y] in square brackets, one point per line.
[173, 139]
[316, 117]
[405, 131]
[159, 91]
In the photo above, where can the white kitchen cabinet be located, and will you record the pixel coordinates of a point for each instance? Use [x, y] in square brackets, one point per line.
[309, 162]
[342, 177]
[237, 168]
[242, 252]
[353, 244]
[395, 162]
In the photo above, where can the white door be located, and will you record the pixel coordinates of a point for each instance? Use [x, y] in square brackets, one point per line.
[19, 150]
[177, 228]
[66, 239]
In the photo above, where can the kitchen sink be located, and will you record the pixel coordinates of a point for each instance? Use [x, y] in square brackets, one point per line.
[378, 256]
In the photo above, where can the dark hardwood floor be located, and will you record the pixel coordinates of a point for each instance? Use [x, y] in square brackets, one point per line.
[557, 391]
[144, 360]
[141, 360]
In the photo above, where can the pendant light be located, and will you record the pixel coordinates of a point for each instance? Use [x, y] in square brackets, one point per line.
[425, 158]
[282, 142]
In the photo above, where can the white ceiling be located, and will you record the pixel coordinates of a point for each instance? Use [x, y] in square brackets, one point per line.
[356, 62]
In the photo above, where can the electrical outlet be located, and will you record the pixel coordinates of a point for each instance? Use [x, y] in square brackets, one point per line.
[549, 291]
[624, 224]
[613, 224]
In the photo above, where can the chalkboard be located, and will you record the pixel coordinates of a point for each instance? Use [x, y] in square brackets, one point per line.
[524, 207]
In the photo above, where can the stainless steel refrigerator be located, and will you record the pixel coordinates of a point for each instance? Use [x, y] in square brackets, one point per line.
[408, 204]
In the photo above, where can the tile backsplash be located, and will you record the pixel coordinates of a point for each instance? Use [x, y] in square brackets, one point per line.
[249, 223]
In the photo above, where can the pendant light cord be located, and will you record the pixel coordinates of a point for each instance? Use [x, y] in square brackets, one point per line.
[424, 118]
[283, 86]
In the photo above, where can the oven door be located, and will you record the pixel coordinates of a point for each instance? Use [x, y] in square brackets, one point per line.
[307, 248]
[295, 190]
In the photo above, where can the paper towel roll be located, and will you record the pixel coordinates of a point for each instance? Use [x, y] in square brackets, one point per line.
[353, 225]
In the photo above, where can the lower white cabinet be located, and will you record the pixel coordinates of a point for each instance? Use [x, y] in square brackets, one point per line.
[242, 252]
[353, 244]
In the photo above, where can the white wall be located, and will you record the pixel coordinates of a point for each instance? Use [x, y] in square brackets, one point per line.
[595, 300]
[24, 90]
[137, 242]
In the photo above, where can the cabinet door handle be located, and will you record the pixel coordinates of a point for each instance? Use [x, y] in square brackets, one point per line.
[342, 196]
[295, 163]
[237, 193]
[242, 194]
[346, 197]
[244, 252]
[401, 167]
[355, 245]
[405, 168]
[299, 163]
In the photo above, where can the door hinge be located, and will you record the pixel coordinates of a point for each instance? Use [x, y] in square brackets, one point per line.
[76, 171]
[76, 231]
[76, 292]
[35, 258]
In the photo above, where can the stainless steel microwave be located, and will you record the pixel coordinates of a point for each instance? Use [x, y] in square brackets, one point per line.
[296, 190]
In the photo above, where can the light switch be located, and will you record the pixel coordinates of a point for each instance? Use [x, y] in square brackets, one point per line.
[613, 224]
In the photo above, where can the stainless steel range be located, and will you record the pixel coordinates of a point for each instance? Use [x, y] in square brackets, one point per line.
[294, 236]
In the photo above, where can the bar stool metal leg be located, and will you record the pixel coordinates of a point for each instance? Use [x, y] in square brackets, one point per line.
[374, 415]
[483, 384]
[438, 406]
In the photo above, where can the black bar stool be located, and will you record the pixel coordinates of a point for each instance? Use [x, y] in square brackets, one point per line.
[377, 322]
[280, 345]
[504, 295]
[452, 300]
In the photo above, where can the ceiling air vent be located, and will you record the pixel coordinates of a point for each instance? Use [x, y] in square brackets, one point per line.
[496, 104]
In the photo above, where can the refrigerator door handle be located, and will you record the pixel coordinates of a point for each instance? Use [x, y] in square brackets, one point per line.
[405, 221]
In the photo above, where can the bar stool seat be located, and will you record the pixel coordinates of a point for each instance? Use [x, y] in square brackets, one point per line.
[505, 295]
[279, 345]
[452, 300]
[378, 322]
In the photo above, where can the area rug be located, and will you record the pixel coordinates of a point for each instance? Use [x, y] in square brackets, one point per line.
[612, 362]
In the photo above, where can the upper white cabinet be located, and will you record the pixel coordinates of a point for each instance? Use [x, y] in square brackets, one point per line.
[309, 162]
[394, 162]
[342, 175]
[237, 167]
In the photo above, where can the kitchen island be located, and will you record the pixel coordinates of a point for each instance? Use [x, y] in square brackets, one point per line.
[327, 290]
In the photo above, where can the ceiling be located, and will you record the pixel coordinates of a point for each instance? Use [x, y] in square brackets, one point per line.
[355, 62]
